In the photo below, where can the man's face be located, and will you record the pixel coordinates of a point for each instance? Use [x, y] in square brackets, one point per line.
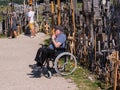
[57, 32]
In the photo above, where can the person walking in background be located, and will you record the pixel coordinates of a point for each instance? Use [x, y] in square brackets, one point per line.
[13, 24]
[31, 15]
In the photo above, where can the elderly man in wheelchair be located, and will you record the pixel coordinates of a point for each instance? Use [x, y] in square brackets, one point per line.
[58, 44]
[56, 51]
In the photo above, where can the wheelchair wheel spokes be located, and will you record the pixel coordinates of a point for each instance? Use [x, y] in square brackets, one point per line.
[61, 64]
[65, 63]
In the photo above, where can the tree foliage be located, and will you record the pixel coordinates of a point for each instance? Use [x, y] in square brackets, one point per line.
[5, 2]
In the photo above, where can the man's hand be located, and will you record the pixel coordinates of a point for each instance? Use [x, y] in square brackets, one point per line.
[56, 44]
[53, 37]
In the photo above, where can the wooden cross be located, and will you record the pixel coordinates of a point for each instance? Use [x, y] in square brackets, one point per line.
[72, 38]
[114, 57]
[72, 43]
[47, 28]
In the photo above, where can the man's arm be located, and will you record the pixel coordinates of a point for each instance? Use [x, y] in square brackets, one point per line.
[56, 44]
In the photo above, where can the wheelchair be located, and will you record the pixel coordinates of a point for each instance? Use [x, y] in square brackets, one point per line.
[64, 63]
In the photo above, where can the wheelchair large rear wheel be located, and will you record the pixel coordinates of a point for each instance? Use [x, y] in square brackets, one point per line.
[65, 63]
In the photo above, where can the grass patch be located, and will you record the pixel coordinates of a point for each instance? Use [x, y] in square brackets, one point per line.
[47, 42]
[2, 8]
[79, 5]
[2, 36]
[81, 78]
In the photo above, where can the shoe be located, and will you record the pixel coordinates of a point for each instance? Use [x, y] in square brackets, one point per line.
[37, 68]
[32, 36]
[33, 66]
[10, 37]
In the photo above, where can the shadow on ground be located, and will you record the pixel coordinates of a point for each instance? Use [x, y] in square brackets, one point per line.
[39, 72]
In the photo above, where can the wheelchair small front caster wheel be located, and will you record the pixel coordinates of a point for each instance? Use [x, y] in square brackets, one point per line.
[49, 74]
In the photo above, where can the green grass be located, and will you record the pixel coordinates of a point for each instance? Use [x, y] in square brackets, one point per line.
[79, 5]
[80, 77]
[2, 36]
[2, 8]
[47, 42]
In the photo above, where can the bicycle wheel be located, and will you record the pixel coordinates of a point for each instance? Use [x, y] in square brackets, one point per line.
[65, 63]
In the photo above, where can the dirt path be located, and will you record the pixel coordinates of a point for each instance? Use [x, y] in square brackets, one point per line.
[15, 74]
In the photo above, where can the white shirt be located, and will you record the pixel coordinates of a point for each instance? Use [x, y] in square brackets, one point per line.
[31, 16]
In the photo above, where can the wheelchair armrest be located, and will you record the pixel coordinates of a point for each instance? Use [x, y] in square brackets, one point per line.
[60, 50]
[43, 45]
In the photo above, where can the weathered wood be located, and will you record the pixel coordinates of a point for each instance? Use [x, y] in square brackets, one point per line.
[59, 17]
[52, 10]
[116, 69]
[114, 57]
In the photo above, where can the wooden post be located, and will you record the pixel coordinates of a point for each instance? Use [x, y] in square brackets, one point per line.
[24, 5]
[116, 68]
[30, 2]
[36, 5]
[74, 24]
[95, 47]
[52, 9]
[73, 16]
[72, 44]
[114, 57]
[59, 19]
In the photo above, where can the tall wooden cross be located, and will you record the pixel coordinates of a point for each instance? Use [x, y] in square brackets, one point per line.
[114, 57]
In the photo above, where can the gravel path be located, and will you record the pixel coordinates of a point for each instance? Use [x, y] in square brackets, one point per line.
[15, 74]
